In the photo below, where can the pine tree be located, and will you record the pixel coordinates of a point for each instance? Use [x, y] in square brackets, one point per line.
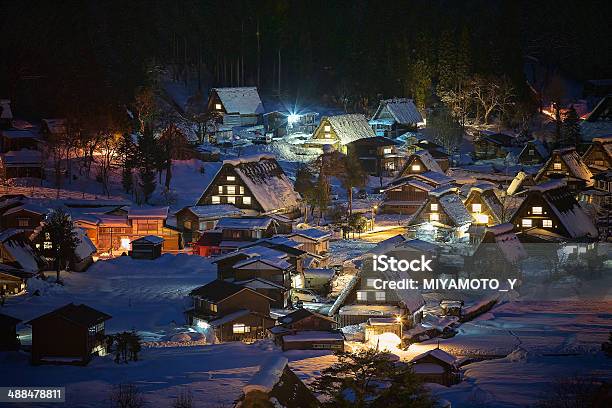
[420, 75]
[127, 159]
[355, 381]
[446, 61]
[463, 58]
[59, 230]
[148, 158]
[570, 129]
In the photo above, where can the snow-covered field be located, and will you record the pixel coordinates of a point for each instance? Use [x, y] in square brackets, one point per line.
[149, 296]
[215, 374]
[541, 341]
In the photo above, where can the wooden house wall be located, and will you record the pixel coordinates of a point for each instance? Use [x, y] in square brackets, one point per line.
[525, 211]
[408, 167]
[221, 180]
[320, 132]
[57, 337]
[278, 276]
[526, 158]
[411, 196]
[245, 299]
[475, 197]
[596, 156]
[11, 285]
[424, 214]
[12, 220]
[258, 325]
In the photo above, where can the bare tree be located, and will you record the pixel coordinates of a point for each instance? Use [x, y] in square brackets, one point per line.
[491, 94]
[108, 152]
[184, 399]
[126, 396]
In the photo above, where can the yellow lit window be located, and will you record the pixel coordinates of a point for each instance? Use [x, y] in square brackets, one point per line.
[434, 217]
[231, 189]
[416, 167]
[231, 200]
[328, 136]
[231, 178]
[241, 190]
[246, 200]
[217, 106]
[241, 328]
[216, 199]
[387, 150]
[220, 189]
[476, 208]
[557, 166]
[327, 128]
[434, 207]
[527, 223]
[536, 210]
[547, 223]
[47, 245]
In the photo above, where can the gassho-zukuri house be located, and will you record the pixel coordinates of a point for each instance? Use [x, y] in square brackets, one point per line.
[340, 130]
[255, 183]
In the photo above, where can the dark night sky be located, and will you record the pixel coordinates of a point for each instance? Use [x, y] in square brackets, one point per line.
[56, 53]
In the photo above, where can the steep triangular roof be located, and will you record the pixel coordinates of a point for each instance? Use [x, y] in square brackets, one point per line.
[574, 163]
[403, 110]
[350, 127]
[243, 100]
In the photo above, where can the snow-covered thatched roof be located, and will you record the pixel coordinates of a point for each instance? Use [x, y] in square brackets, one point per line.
[438, 354]
[403, 110]
[576, 167]
[266, 180]
[427, 159]
[564, 205]
[506, 240]
[350, 127]
[243, 100]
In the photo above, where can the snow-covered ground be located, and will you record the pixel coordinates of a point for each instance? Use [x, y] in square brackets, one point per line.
[215, 374]
[147, 295]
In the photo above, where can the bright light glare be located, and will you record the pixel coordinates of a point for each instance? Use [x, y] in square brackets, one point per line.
[385, 342]
[293, 118]
[202, 324]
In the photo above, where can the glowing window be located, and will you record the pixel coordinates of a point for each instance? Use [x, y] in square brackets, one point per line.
[220, 189]
[216, 199]
[328, 136]
[327, 128]
[416, 167]
[47, 245]
[217, 106]
[246, 200]
[241, 328]
[241, 189]
[531, 152]
[380, 296]
[526, 222]
[361, 295]
[482, 218]
[547, 223]
[477, 208]
[434, 207]
[213, 307]
[231, 199]
[387, 150]
[231, 178]
[536, 210]
[557, 166]
[434, 217]
[231, 189]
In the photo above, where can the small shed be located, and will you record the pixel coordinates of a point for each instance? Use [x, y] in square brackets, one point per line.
[148, 247]
[436, 366]
[314, 340]
[71, 334]
[8, 333]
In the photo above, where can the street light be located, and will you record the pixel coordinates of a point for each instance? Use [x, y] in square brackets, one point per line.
[399, 320]
[374, 208]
